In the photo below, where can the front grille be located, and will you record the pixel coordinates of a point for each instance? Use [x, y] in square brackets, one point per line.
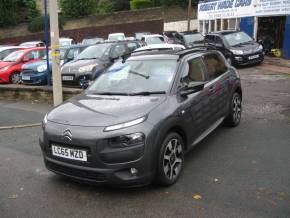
[76, 172]
[28, 71]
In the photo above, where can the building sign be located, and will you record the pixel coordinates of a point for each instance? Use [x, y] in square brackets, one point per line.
[223, 9]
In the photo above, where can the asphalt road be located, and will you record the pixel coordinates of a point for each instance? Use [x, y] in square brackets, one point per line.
[240, 172]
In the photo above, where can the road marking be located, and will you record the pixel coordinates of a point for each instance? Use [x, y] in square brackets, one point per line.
[20, 126]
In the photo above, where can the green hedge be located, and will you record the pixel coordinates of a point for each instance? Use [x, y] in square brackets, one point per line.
[140, 4]
[78, 8]
[37, 24]
[9, 13]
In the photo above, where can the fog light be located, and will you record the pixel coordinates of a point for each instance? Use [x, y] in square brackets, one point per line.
[239, 58]
[134, 171]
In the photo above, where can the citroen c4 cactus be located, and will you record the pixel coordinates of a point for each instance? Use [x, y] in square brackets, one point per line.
[134, 124]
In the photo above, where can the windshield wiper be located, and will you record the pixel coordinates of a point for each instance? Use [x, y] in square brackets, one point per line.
[111, 93]
[139, 74]
[86, 58]
[148, 93]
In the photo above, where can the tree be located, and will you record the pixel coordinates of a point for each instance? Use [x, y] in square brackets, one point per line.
[78, 8]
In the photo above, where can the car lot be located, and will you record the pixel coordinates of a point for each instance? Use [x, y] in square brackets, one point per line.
[241, 172]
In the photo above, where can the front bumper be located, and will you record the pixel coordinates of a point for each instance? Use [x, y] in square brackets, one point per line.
[105, 166]
[34, 78]
[244, 60]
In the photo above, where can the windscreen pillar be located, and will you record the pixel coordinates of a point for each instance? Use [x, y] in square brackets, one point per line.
[247, 25]
[286, 44]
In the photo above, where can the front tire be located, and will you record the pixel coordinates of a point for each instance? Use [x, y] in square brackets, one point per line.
[170, 160]
[15, 78]
[235, 111]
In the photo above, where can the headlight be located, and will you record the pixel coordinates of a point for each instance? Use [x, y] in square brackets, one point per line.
[88, 68]
[44, 122]
[127, 140]
[125, 125]
[4, 69]
[260, 48]
[237, 52]
[42, 68]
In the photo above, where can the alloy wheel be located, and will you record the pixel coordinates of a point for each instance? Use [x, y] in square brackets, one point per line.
[237, 108]
[15, 78]
[172, 159]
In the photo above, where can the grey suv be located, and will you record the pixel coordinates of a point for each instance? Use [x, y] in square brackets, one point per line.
[137, 120]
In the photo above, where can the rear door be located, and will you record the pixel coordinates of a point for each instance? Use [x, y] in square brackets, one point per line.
[217, 87]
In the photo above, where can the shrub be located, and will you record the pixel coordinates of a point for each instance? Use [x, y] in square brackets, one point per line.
[77, 8]
[31, 8]
[37, 24]
[121, 5]
[140, 4]
[9, 13]
[105, 6]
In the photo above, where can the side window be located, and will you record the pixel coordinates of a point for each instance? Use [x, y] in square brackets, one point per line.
[215, 65]
[72, 54]
[209, 38]
[30, 55]
[218, 40]
[132, 46]
[118, 50]
[194, 71]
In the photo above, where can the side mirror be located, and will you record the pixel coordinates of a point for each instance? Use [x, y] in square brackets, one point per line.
[260, 42]
[187, 90]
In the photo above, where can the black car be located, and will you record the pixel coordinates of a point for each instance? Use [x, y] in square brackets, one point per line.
[238, 48]
[137, 120]
[192, 38]
[94, 60]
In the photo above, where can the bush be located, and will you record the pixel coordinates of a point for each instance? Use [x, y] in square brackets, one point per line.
[105, 6]
[31, 8]
[77, 8]
[121, 5]
[37, 24]
[9, 13]
[140, 4]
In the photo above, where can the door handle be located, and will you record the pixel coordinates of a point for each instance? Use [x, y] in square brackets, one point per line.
[212, 88]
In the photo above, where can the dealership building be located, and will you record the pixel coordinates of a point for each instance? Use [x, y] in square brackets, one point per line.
[259, 18]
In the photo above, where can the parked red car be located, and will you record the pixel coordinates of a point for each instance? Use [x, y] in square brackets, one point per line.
[10, 67]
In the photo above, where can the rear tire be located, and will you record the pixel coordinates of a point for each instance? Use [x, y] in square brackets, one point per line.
[170, 160]
[235, 111]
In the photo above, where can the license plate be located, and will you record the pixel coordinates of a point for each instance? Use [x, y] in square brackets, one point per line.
[67, 78]
[253, 57]
[69, 153]
[25, 77]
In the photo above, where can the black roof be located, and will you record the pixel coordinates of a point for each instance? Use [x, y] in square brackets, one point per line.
[179, 53]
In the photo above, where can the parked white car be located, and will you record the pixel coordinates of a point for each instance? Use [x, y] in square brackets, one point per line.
[160, 47]
[32, 44]
[116, 37]
[153, 39]
[64, 42]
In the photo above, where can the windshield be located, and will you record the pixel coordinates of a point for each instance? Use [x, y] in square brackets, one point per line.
[95, 52]
[155, 40]
[116, 37]
[14, 56]
[237, 38]
[136, 76]
[191, 38]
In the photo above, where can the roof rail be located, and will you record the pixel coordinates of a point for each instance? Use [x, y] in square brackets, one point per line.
[198, 48]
